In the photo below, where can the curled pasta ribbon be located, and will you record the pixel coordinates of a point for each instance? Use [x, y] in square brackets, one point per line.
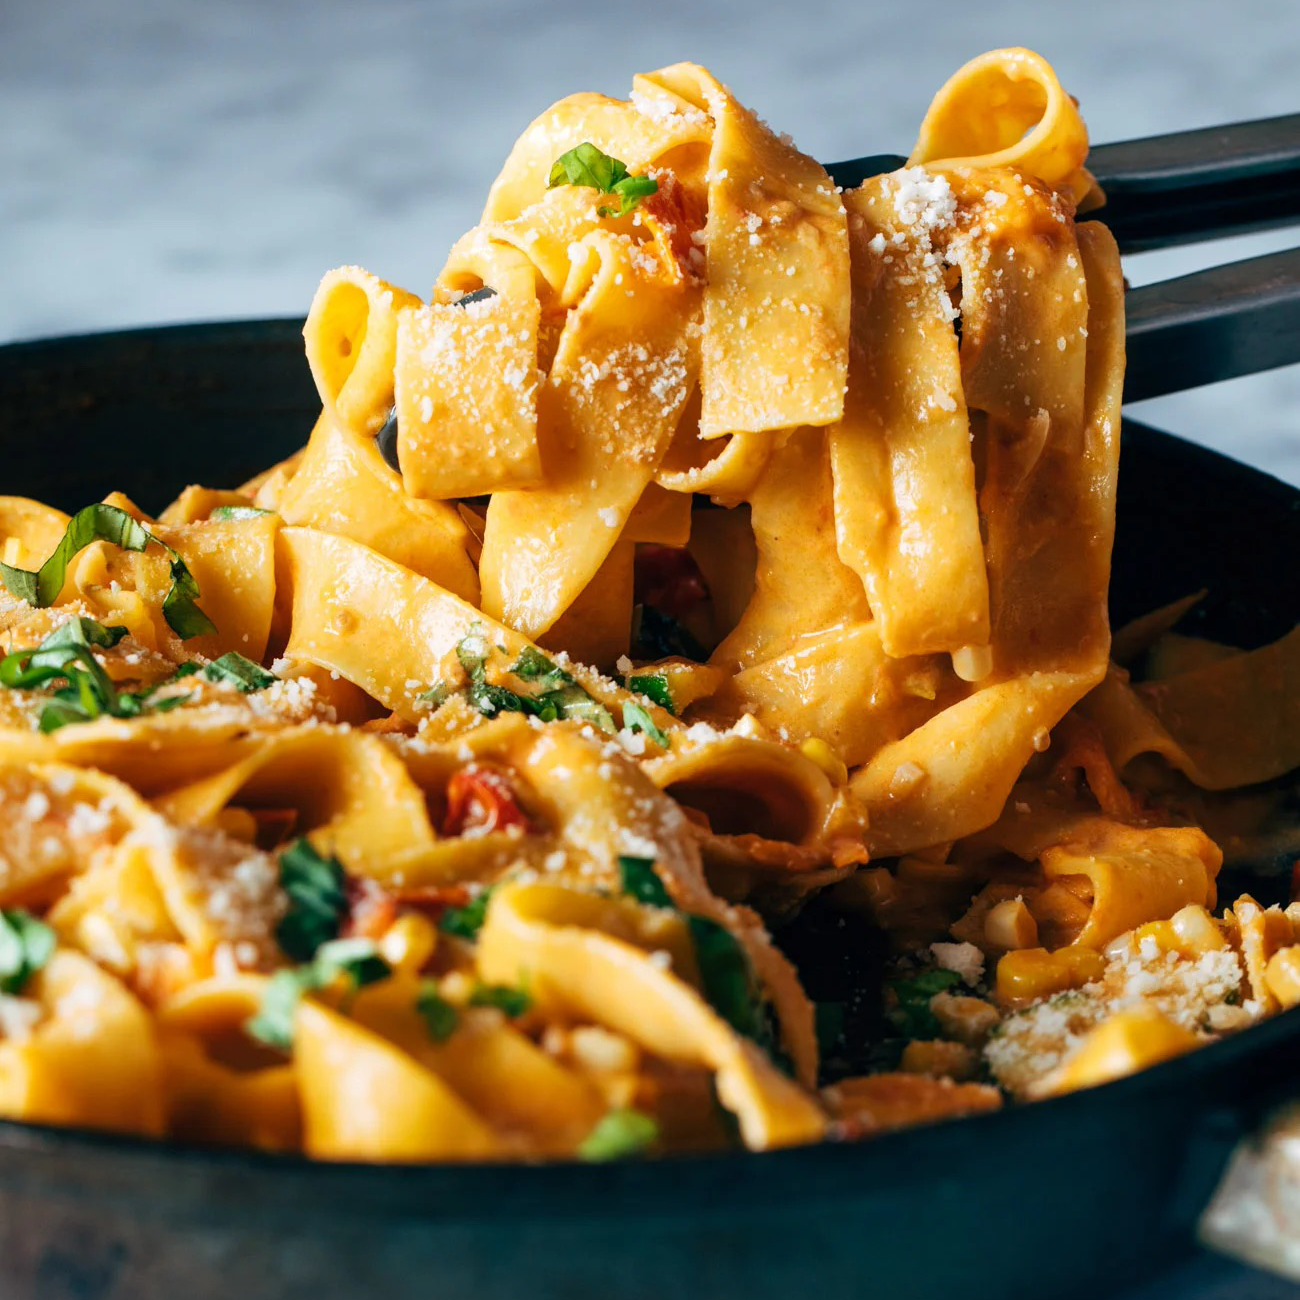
[91, 1059]
[343, 485]
[220, 1086]
[776, 305]
[543, 933]
[1231, 722]
[29, 531]
[466, 379]
[363, 1098]
[1006, 108]
[1136, 873]
[351, 337]
[349, 790]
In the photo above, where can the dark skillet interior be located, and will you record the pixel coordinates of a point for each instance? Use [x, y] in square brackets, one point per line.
[1076, 1196]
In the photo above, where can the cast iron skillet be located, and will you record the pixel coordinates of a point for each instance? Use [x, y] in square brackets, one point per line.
[1083, 1194]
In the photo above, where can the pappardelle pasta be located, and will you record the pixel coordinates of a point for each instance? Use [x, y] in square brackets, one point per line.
[714, 550]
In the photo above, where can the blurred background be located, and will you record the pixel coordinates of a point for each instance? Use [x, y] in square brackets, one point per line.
[167, 160]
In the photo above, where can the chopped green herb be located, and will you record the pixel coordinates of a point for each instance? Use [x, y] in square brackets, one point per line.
[273, 1023]
[90, 692]
[654, 686]
[636, 717]
[26, 944]
[585, 164]
[100, 522]
[617, 1134]
[471, 650]
[465, 922]
[354, 959]
[440, 1017]
[514, 1002]
[565, 700]
[436, 695]
[662, 636]
[232, 667]
[642, 882]
[912, 1016]
[237, 512]
[532, 665]
[727, 977]
[317, 900]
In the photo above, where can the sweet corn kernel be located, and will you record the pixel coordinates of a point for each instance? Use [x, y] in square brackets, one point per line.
[1026, 974]
[1282, 975]
[238, 822]
[1009, 924]
[938, 1057]
[601, 1051]
[973, 663]
[816, 749]
[1197, 931]
[409, 942]
[1121, 1044]
[968, 1020]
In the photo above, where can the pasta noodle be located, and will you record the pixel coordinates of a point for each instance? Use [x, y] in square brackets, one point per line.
[713, 550]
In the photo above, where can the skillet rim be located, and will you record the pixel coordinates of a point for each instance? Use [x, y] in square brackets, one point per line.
[819, 1170]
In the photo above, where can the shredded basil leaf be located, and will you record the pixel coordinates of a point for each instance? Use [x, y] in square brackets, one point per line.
[440, 1016]
[234, 668]
[532, 665]
[566, 699]
[636, 717]
[912, 1016]
[237, 512]
[90, 692]
[355, 959]
[727, 977]
[662, 636]
[318, 900]
[26, 944]
[514, 1002]
[465, 922]
[101, 522]
[620, 1133]
[436, 695]
[642, 882]
[585, 164]
[654, 686]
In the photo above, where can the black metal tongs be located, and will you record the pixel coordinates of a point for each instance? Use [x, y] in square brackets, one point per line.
[1220, 323]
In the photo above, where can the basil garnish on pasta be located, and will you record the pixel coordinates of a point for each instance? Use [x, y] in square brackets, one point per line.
[513, 1001]
[318, 900]
[26, 944]
[465, 922]
[727, 976]
[237, 512]
[636, 717]
[654, 686]
[620, 1133]
[242, 673]
[440, 1016]
[585, 164]
[912, 1016]
[89, 691]
[356, 961]
[100, 522]
[559, 696]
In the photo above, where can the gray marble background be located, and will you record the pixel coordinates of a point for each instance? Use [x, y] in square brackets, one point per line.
[167, 160]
